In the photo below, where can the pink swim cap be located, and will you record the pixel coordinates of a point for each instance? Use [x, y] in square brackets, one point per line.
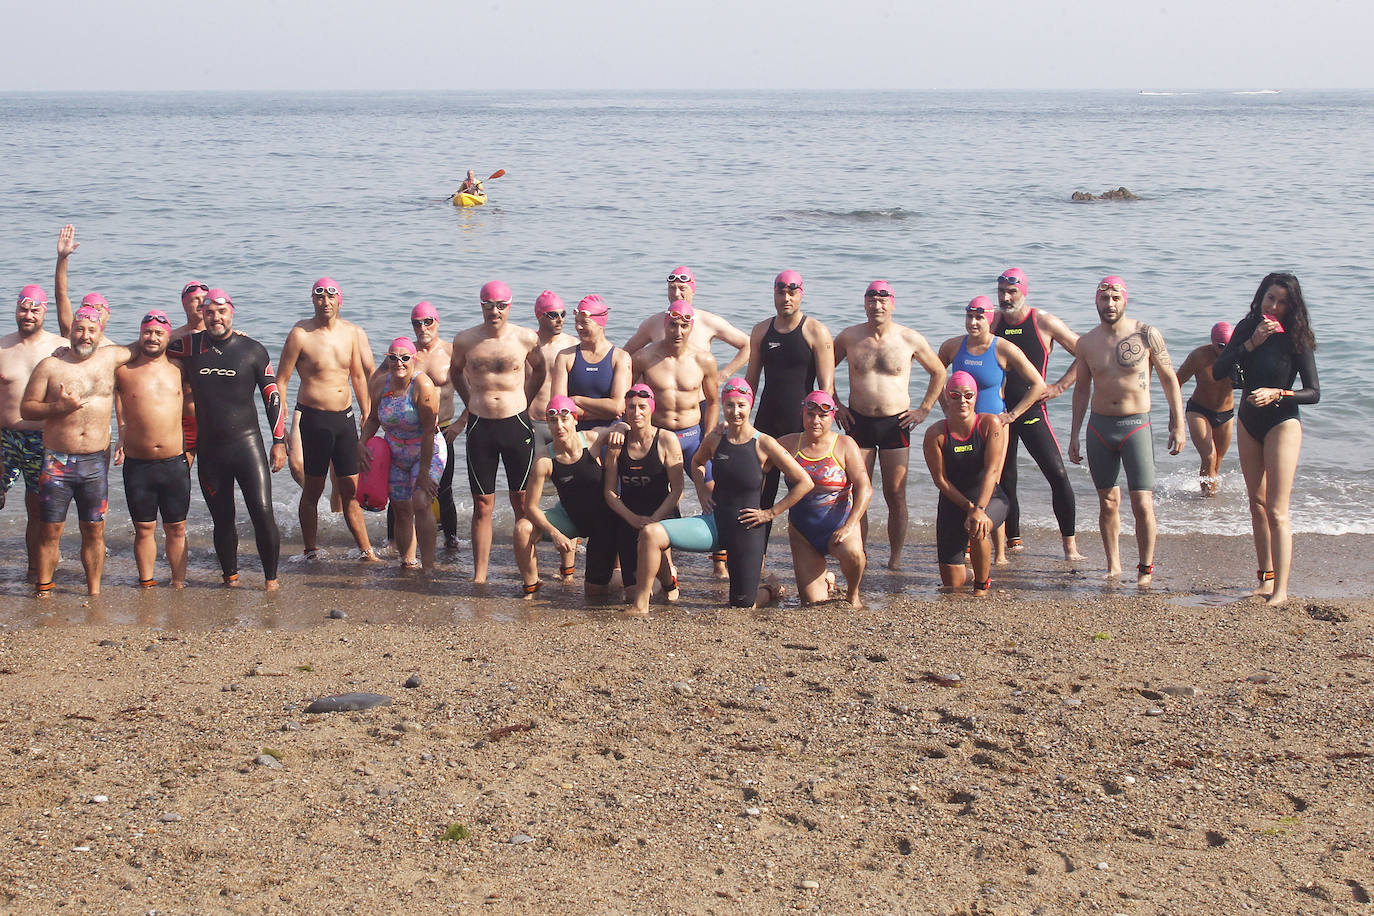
[88, 313]
[879, 286]
[961, 379]
[684, 271]
[35, 293]
[738, 387]
[563, 402]
[402, 343]
[192, 287]
[595, 308]
[981, 304]
[788, 277]
[155, 317]
[1114, 280]
[822, 398]
[1221, 333]
[327, 283]
[423, 310]
[214, 294]
[1013, 276]
[682, 307]
[95, 299]
[640, 391]
[495, 291]
[548, 301]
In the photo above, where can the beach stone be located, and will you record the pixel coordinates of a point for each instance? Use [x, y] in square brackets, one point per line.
[107, 643]
[1150, 694]
[291, 726]
[171, 817]
[1072, 702]
[809, 885]
[348, 702]
[1260, 677]
[682, 688]
[1102, 866]
[99, 799]
[752, 812]
[520, 839]
[412, 682]
[1190, 692]
[267, 760]
[1154, 711]
[336, 614]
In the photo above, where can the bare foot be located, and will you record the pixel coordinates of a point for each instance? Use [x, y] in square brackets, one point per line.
[176, 584]
[831, 586]
[1014, 545]
[894, 563]
[231, 580]
[774, 587]
[1071, 549]
[718, 569]
[1276, 599]
[532, 589]
[1001, 561]
[637, 612]
[369, 556]
[271, 585]
[1145, 573]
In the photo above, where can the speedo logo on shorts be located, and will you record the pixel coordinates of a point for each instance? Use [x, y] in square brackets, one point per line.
[210, 370]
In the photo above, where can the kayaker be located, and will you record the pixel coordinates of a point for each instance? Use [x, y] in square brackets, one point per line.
[471, 185]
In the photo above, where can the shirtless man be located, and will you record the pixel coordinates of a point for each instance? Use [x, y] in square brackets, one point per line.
[1114, 363]
[497, 370]
[879, 415]
[66, 247]
[223, 367]
[435, 355]
[72, 395]
[683, 378]
[682, 286]
[593, 371]
[792, 355]
[149, 391]
[550, 313]
[325, 348]
[21, 441]
[1211, 410]
[1035, 332]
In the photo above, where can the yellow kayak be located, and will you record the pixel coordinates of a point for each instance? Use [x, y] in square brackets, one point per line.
[469, 200]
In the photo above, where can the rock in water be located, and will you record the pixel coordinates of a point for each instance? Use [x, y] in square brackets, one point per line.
[348, 702]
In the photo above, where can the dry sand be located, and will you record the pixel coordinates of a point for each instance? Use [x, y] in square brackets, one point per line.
[1061, 747]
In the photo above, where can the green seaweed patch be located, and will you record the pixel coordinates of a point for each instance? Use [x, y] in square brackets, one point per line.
[1101, 636]
[307, 668]
[273, 753]
[455, 833]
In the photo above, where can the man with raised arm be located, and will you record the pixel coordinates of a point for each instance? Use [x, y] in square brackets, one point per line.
[1035, 332]
[21, 440]
[72, 395]
[1114, 363]
[149, 390]
[879, 415]
[324, 348]
[708, 326]
[497, 370]
[223, 368]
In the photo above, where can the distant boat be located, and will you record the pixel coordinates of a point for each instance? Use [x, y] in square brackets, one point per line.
[1255, 92]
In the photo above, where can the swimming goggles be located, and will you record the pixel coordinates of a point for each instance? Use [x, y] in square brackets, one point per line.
[679, 278]
[1010, 281]
[824, 410]
[326, 290]
[499, 304]
[1111, 287]
[422, 322]
[27, 301]
[736, 389]
[154, 318]
[878, 294]
[561, 412]
[787, 287]
[962, 394]
[398, 357]
[218, 300]
[646, 395]
[190, 286]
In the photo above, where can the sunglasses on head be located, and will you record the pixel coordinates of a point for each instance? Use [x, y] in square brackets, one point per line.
[679, 278]
[962, 394]
[787, 287]
[498, 304]
[190, 286]
[422, 322]
[1010, 281]
[1111, 288]
[561, 412]
[878, 294]
[326, 290]
[398, 357]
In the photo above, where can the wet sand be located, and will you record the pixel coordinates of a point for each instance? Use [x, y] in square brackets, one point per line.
[1061, 746]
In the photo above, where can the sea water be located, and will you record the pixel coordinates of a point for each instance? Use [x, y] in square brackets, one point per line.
[260, 193]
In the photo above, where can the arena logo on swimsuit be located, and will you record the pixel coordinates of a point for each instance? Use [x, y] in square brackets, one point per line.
[964, 448]
[208, 370]
[1011, 332]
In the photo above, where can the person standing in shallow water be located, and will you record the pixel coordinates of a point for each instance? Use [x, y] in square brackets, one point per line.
[1210, 410]
[1114, 364]
[1272, 345]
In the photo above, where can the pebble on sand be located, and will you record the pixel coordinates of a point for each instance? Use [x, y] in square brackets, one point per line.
[348, 702]
[267, 760]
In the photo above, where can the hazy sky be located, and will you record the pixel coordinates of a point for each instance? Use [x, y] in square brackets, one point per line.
[709, 44]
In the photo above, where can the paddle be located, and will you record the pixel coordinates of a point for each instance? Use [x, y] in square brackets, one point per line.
[492, 177]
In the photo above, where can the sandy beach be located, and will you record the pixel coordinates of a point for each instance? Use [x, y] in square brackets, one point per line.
[1061, 747]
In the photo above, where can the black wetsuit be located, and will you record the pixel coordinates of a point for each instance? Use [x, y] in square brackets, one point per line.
[222, 375]
[1273, 364]
[1033, 428]
[964, 466]
[788, 376]
[579, 490]
[738, 484]
[643, 485]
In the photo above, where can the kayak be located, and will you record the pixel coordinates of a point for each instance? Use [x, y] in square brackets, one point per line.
[469, 200]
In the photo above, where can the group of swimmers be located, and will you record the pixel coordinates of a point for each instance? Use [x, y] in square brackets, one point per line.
[618, 430]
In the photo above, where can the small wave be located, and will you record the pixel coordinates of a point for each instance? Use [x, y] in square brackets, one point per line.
[1256, 92]
[1158, 92]
[854, 216]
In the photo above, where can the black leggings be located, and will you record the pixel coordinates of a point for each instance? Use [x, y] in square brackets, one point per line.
[242, 461]
[1034, 429]
[744, 554]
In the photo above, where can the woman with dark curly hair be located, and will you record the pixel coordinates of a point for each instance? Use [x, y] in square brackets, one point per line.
[1273, 346]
